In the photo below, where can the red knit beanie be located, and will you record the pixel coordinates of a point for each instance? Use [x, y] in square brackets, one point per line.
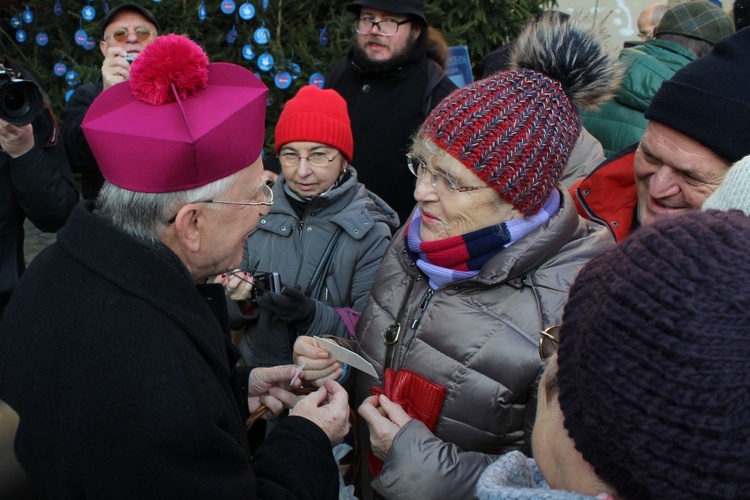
[515, 130]
[316, 115]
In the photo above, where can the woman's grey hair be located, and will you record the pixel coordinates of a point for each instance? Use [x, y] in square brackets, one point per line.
[549, 378]
[145, 216]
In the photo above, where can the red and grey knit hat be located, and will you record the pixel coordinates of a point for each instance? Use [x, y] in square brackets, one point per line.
[316, 115]
[515, 130]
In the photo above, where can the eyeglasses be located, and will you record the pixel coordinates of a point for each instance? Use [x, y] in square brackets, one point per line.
[386, 27]
[549, 341]
[264, 191]
[120, 35]
[440, 181]
[316, 159]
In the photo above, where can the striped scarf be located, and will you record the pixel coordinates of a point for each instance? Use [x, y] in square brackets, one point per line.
[462, 257]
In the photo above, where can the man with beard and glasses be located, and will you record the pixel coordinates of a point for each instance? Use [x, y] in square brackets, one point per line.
[391, 79]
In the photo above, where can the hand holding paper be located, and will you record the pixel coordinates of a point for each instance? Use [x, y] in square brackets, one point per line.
[319, 365]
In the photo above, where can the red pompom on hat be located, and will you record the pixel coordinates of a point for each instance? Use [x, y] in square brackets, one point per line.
[316, 115]
[179, 122]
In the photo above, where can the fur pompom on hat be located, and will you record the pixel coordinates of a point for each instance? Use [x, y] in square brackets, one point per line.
[179, 122]
[515, 130]
[653, 362]
[316, 115]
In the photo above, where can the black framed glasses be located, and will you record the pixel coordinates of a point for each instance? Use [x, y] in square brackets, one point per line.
[441, 182]
[264, 192]
[386, 27]
[549, 341]
[142, 33]
[316, 159]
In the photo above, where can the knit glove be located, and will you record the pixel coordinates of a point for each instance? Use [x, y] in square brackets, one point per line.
[291, 306]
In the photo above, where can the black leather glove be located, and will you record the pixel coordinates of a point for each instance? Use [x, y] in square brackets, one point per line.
[291, 306]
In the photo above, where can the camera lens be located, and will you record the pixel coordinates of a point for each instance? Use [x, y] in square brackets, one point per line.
[20, 101]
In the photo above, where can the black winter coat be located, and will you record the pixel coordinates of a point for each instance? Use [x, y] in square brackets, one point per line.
[125, 384]
[81, 158]
[37, 185]
[385, 110]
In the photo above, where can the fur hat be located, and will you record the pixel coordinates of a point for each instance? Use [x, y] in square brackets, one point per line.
[316, 115]
[700, 19]
[147, 15]
[708, 100]
[653, 362]
[516, 129]
[179, 122]
[734, 191]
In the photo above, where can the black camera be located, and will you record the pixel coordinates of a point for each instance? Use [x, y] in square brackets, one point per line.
[265, 281]
[20, 100]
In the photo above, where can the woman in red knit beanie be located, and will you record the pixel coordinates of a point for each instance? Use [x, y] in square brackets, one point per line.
[325, 235]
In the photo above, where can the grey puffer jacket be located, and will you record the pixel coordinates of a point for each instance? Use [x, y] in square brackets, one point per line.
[478, 338]
[293, 248]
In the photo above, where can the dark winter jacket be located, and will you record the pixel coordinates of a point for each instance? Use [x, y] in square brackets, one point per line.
[478, 338]
[125, 381]
[619, 122]
[385, 110]
[81, 158]
[37, 185]
[292, 247]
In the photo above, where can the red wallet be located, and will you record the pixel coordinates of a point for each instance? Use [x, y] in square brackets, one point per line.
[422, 399]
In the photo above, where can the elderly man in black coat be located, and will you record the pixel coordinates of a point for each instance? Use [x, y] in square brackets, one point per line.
[115, 352]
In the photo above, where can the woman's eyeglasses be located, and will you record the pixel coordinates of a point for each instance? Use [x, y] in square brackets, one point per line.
[316, 159]
[549, 341]
[120, 35]
[441, 182]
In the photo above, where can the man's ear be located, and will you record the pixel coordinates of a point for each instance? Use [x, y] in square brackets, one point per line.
[188, 228]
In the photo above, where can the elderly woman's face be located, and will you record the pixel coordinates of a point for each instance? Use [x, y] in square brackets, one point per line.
[446, 212]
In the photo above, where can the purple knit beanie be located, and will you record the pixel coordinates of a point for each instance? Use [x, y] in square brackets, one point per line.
[515, 130]
[653, 363]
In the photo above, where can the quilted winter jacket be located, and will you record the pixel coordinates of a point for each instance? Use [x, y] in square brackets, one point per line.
[293, 248]
[619, 122]
[478, 338]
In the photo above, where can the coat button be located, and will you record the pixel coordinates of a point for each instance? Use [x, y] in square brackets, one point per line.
[263, 221]
[283, 228]
[366, 88]
[586, 192]
[309, 228]
[615, 223]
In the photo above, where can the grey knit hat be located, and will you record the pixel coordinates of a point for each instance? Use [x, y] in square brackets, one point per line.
[700, 19]
[734, 192]
[653, 362]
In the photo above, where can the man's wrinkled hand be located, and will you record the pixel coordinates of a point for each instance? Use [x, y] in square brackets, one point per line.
[328, 408]
[270, 387]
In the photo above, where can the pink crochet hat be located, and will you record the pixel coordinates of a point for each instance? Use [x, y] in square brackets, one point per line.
[179, 122]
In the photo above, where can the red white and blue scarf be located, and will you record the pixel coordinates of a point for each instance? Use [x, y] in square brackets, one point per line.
[462, 257]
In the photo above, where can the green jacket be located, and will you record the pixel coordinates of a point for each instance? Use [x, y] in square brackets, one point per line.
[619, 122]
